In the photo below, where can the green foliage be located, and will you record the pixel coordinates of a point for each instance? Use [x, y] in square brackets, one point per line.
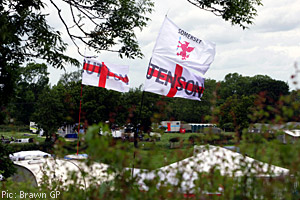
[152, 155]
[10, 128]
[25, 34]
[238, 12]
[121, 19]
[258, 85]
[233, 103]
[236, 111]
[234, 84]
[6, 165]
[31, 83]
[244, 100]
[231, 99]
[124, 185]
[119, 155]
[49, 111]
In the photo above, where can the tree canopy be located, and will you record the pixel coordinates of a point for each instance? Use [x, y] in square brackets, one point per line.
[238, 12]
[29, 86]
[233, 98]
[25, 34]
[102, 24]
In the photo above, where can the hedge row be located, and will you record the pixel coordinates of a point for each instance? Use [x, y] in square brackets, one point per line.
[9, 128]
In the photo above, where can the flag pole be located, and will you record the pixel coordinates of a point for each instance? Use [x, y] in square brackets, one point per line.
[79, 119]
[79, 115]
[135, 136]
[136, 132]
[137, 127]
[138, 122]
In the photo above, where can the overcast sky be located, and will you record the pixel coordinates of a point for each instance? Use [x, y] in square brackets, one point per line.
[270, 47]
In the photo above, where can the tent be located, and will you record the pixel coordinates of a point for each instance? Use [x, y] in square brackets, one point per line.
[293, 133]
[289, 136]
[32, 167]
[205, 159]
[27, 155]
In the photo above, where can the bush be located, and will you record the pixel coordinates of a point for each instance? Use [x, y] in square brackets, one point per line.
[194, 138]
[6, 165]
[43, 146]
[12, 128]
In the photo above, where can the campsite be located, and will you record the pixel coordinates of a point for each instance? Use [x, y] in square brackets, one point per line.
[160, 159]
[149, 99]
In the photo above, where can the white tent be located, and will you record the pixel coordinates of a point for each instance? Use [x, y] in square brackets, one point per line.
[27, 155]
[293, 133]
[289, 136]
[204, 160]
[33, 168]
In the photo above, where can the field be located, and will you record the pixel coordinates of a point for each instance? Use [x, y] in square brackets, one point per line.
[155, 154]
[272, 152]
[19, 135]
[162, 152]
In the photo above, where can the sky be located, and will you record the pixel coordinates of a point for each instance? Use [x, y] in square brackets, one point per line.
[271, 46]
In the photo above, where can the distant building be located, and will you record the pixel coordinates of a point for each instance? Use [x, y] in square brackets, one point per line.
[199, 127]
[286, 133]
[265, 128]
[176, 127]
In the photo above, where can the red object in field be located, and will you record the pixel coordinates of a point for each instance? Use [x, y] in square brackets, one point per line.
[182, 130]
[169, 127]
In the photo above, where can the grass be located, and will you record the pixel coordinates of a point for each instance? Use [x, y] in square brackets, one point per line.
[19, 135]
[161, 154]
[272, 152]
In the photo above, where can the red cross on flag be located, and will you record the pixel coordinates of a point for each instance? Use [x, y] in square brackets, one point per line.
[109, 76]
[172, 80]
[183, 48]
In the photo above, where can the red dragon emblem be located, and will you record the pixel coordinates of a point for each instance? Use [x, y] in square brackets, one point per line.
[185, 50]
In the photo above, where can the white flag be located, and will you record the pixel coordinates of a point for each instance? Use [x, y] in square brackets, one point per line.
[172, 80]
[109, 76]
[174, 43]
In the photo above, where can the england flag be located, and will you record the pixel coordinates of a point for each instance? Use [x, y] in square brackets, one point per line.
[109, 76]
[173, 80]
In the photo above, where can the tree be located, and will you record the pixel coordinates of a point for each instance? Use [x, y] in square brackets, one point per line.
[7, 166]
[50, 111]
[271, 88]
[233, 83]
[113, 23]
[234, 113]
[238, 12]
[189, 110]
[30, 84]
[98, 104]
[144, 115]
[25, 34]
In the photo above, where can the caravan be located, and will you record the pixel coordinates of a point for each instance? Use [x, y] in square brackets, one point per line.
[176, 127]
[33, 127]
